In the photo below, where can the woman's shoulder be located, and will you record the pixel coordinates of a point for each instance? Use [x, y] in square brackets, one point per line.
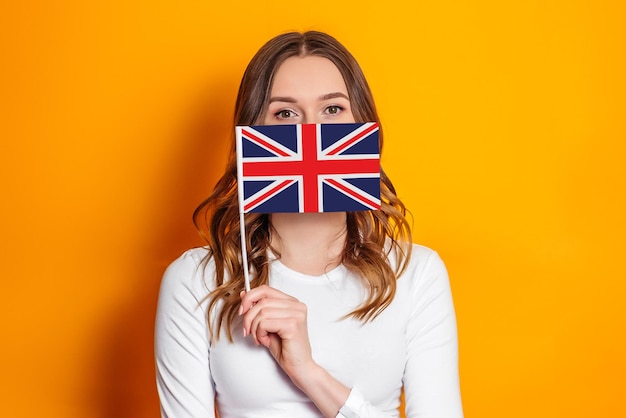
[424, 263]
[193, 256]
[188, 273]
[418, 256]
[190, 263]
[424, 281]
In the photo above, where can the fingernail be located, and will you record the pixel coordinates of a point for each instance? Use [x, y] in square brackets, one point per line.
[240, 309]
[245, 333]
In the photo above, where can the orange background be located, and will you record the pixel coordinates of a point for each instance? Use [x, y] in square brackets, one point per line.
[506, 136]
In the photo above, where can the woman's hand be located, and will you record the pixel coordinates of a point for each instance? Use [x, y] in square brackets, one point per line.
[279, 322]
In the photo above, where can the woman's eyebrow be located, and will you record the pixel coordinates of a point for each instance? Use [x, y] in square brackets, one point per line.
[334, 96]
[282, 99]
[328, 96]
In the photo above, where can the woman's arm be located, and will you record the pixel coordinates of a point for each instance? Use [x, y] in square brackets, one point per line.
[182, 343]
[431, 382]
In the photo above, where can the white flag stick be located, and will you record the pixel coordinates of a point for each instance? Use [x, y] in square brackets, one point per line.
[244, 251]
[242, 222]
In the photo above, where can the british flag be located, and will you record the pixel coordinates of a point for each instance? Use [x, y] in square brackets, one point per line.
[308, 167]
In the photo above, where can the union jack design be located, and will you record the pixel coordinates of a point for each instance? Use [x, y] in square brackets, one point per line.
[308, 167]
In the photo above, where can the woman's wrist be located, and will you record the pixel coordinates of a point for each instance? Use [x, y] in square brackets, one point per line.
[324, 390]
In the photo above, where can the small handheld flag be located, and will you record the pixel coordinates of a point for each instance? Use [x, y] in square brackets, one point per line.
[307, 168]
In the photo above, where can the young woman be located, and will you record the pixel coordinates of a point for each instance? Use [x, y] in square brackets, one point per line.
[344, 312]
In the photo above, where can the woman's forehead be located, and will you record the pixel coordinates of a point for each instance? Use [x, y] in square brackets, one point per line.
[309, 75]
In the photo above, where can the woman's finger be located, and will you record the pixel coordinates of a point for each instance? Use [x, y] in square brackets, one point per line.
[279, 327]
[252, 297]
[269, 308]
[281, 321]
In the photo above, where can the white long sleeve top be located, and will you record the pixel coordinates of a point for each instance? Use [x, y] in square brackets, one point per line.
[411, 344]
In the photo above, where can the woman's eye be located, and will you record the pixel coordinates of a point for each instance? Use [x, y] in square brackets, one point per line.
[285, 114]
[334, 109]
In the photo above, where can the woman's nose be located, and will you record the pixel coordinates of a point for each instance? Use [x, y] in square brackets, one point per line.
[311, 118]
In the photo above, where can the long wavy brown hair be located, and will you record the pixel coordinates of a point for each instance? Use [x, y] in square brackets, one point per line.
[371, 235]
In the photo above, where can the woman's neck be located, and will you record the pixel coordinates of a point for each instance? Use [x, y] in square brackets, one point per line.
[309, 243]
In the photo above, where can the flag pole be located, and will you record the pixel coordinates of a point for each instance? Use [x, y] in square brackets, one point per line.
[242, 222]
[244, 251]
